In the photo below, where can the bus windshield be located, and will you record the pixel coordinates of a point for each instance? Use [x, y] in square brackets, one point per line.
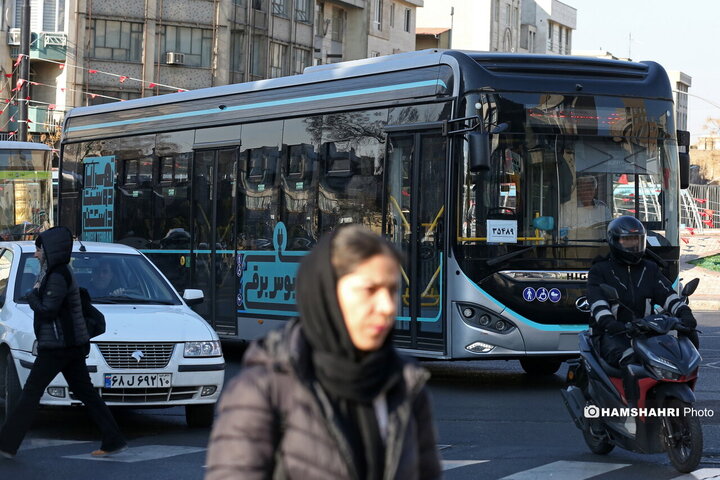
[565, 166]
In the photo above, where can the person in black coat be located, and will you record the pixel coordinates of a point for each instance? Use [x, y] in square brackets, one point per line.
[62, 343]
[640, 285]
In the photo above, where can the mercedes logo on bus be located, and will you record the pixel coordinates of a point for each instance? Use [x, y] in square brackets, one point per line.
[582, 304]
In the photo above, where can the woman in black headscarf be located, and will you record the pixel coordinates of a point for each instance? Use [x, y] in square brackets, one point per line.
[327, 397]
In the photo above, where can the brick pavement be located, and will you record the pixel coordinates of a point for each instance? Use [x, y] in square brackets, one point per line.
[695, 245]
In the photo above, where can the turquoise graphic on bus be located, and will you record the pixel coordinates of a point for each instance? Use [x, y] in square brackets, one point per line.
[267, 277]
[98, 199]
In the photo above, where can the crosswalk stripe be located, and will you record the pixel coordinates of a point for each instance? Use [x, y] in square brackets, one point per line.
[142, 453]
[701, 474]
[566, 470]
[450, 464]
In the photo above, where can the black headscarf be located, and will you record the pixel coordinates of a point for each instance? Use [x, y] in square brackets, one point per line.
[352, 379]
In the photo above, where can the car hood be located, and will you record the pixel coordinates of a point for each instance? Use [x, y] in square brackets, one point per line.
[152, 323]
[146, 323]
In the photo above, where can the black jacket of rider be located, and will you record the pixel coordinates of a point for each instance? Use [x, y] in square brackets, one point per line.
[639, 287]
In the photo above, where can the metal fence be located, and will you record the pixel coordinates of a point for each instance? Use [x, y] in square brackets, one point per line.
[700, 207]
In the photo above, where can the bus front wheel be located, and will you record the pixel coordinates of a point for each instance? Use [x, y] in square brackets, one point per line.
[540, 366]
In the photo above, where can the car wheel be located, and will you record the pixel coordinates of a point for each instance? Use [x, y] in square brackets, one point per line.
[199, 416]
[11, 389]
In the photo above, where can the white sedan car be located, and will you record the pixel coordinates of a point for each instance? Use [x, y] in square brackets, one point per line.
[155, 352]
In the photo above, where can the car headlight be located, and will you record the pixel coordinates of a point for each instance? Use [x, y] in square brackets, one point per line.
[203, 349]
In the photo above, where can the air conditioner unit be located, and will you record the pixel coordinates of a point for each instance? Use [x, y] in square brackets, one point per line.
[174, 58]
[13, 36]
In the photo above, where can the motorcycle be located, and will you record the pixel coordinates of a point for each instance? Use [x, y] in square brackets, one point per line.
[666, 373]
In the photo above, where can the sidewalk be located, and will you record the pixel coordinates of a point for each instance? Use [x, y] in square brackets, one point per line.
[698, 245]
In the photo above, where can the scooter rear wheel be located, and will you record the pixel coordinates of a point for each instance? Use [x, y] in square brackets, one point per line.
[597, 445]
[686, 445]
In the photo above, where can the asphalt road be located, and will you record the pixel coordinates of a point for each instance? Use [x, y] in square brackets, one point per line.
[493, 421]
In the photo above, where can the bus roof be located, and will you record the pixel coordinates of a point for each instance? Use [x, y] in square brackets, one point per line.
[8, 145]
[503, 63]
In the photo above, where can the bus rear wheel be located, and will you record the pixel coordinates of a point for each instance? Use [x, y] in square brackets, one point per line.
[540, 366]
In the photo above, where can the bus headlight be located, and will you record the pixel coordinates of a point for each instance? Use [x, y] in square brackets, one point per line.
[479, 347]
[202, 349]
[478, 317]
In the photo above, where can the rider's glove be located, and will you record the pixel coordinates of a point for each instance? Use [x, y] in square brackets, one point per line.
[632, 328]
[614, 327]
[688, 319]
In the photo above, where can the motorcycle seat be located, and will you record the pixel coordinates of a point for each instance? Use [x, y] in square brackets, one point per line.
[609, 369]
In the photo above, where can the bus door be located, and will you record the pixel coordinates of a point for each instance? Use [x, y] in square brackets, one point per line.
[414, 221]
[213, 245]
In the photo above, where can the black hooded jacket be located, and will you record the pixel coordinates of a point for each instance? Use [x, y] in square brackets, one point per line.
[639, 287]
[58, 320]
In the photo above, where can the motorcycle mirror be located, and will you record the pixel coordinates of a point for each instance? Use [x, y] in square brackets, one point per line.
[610, 292]
[690, 288]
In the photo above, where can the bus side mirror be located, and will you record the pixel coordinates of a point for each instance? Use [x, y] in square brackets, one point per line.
[683, 139]
[479, 151]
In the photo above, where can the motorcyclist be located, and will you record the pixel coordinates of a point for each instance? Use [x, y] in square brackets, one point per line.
[640, 285]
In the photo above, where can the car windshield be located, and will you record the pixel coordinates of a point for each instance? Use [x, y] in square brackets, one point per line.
[109, 278]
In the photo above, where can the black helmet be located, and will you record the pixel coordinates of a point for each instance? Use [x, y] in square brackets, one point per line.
[626, 237]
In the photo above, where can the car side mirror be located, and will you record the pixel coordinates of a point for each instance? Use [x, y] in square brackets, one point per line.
[610, 292]
[193, 296]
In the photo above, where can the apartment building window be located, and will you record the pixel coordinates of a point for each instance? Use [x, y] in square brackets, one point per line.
[279, 7]
[301, 59]
[408, 20]
[240, 3]
[278, 59]
[100, 97]
[258, 5]
[392, 15]
[531, 42]
[113, 40]
[320, 26]
[258, 55]
[194, 43]
[496, 10]
[303, 12]
[516, 12]
[378, 18]
[237, 55]
[338, 24]
[550, 36]
[507, 14]
[53, 15]
[568, 33]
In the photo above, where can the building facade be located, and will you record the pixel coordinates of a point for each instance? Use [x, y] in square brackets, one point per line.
[527, 26]
[89, 52]
[681, 83]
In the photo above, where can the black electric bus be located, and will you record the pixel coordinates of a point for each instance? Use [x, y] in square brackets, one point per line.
[495, 174]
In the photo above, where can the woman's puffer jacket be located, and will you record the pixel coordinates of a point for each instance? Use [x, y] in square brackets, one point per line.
[276, 422]
[58, 319]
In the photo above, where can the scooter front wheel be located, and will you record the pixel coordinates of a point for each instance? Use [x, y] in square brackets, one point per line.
[597, 444]
[683, 438]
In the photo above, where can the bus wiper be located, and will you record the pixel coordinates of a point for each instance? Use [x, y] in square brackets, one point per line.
[502, 258]
[126, 299]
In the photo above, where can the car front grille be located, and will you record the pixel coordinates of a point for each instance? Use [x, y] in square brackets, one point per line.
[130, 396]
[120, 355]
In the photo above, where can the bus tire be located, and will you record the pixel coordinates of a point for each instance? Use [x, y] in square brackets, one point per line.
[199, 416]
[540, 366]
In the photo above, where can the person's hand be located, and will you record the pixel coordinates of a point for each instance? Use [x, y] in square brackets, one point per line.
[632, 328]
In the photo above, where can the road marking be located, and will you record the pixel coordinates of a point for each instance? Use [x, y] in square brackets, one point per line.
[142, 453]
[450, 464]
[566, 470]
[703, 473]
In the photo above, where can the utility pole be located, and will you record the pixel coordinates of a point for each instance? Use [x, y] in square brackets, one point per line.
[24, 73]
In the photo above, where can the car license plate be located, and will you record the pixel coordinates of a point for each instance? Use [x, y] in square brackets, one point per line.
[138, 380]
